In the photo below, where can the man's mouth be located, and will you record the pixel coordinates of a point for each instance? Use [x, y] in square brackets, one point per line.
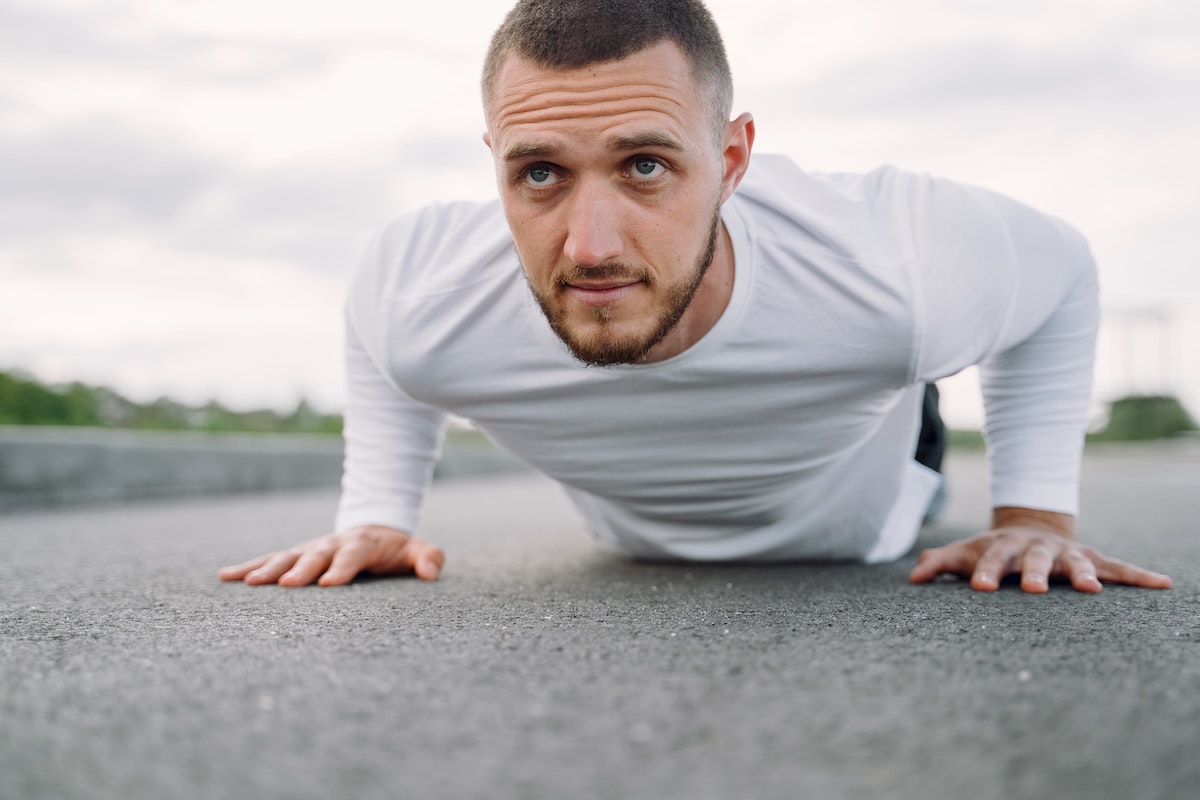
[601, 293]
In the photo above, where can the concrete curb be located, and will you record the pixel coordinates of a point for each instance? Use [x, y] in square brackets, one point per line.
[48, 467]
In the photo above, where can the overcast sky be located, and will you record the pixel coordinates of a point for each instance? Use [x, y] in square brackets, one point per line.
[185, 186]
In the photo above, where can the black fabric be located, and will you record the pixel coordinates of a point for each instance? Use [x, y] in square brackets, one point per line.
[931, 444]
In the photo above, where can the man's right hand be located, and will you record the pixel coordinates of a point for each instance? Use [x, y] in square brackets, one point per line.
[335, 559]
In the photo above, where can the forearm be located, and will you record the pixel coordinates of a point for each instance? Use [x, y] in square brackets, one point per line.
[392, 445]
[1037, 386]
[1036, 397]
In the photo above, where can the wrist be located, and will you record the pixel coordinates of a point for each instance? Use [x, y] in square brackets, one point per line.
[1016, 516]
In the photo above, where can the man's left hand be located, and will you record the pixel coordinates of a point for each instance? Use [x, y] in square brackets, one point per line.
[1038, 545]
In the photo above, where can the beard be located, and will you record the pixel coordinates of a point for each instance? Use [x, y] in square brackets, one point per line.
[603, 345]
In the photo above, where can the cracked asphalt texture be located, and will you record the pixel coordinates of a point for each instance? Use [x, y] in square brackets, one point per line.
[542, 667]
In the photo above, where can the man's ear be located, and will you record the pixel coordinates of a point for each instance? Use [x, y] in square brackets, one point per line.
[487, 139]
[738, 142]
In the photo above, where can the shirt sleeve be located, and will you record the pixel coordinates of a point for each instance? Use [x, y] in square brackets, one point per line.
[1003, 286]
[392, 441]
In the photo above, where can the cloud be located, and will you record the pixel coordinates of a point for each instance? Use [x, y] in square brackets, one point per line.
[73, 176]
[955, 79]
[114, 39]
[126, 119]
[319, 212]
[102, 176]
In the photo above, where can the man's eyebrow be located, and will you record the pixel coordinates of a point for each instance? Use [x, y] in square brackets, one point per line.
[520, 152]
[640, 141]
[633, 141]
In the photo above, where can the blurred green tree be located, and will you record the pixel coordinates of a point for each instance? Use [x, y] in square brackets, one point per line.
[25, 401]
[1143, 417]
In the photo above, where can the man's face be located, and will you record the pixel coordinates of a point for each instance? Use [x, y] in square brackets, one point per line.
[612, 179]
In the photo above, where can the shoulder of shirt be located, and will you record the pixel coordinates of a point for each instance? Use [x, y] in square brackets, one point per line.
[778, 179]
[841, 212]
[881, 197]
[436, 249]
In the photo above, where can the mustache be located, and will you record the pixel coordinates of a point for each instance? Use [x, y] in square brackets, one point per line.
[602, 272]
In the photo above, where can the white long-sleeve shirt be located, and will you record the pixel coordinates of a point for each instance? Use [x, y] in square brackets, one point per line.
[788, 430]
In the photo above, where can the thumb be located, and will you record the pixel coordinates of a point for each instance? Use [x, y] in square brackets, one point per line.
[429, 563]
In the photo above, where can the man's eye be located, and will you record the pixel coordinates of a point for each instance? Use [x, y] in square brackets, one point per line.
[647, 168]
[540, 177]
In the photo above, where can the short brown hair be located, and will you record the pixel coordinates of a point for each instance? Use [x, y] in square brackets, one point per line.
[570, 34]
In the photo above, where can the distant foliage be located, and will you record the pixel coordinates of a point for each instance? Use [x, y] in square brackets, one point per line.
[964, 439]
[1142, 417]
[24, 401]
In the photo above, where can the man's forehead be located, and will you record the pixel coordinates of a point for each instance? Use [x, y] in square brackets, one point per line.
[653, 58]
[652, 84]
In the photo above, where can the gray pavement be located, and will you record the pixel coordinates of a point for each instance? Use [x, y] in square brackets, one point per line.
[542, 667]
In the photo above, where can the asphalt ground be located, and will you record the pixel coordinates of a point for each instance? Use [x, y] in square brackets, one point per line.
[542, 667]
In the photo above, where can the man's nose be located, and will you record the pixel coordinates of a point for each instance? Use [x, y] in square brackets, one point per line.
[593, 234]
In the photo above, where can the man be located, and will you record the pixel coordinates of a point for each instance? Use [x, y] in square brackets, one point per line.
[736, 351]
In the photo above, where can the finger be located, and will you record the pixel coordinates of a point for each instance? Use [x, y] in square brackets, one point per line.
[1036, 565]
[415, 556]
[1112, 570]
[238, 571]
[276, 565]
[311, 565]
[993, 565]
[427, 560]
[346, 563]
[932, 563]
[1080, 570]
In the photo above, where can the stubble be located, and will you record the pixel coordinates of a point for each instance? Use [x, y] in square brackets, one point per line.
[603, 345]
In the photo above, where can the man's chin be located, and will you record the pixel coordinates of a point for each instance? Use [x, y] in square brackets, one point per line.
[603, 346]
